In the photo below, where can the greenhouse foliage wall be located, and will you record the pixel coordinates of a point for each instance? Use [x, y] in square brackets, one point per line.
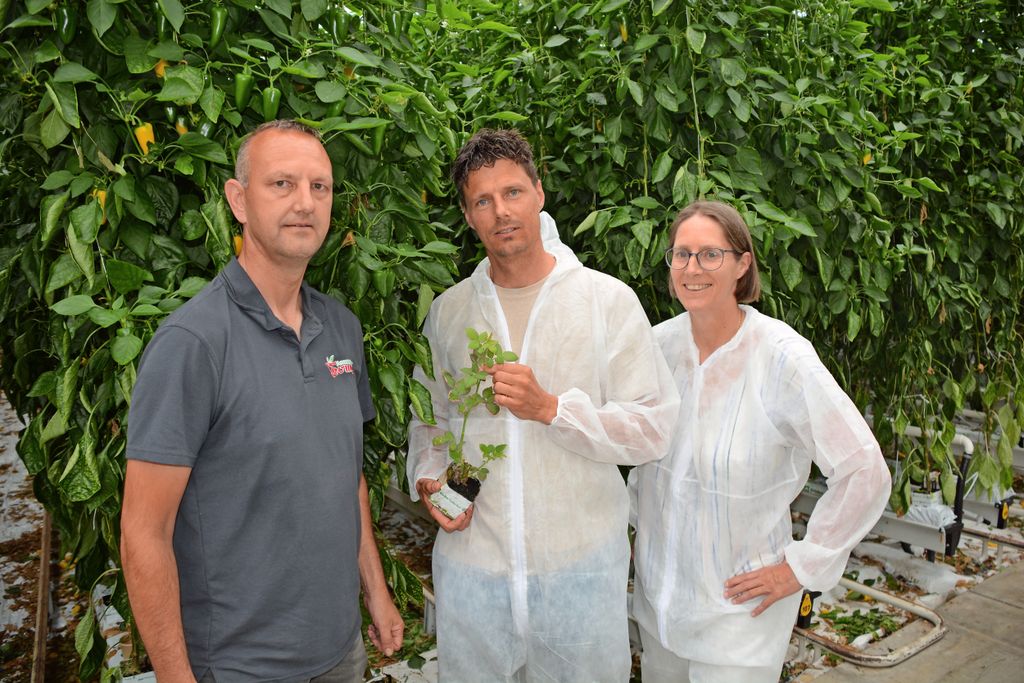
[874, 146]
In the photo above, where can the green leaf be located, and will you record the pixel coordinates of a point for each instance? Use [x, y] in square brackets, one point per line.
[792, 271]
[105, 317]
[556, 40]
[329, 91]
[313, 9]
[645, 202]
[424, 297]
[587, 223]
[55, 426]
[305, 69]
[661, 5]
[662, 166]
[612, 5]
[203, 148]
[102, 15]
[211, 102]
[136, 55]
[358, 57]
[73, 305]
[125, 349]
[925, 181]
[53, 130]
[853, 324]
[695, 39]
[85, 220]
[82, 252]
[182, 85]
[191, 286]
[73, 72]
[877, 5]
[174, 12]
[421, 402]
[732, 71]
[44, 385]
[126, 277]
[85, 631]
[636, 92]
[642, 232]
[64, 272]
[510, 116]
[50, 209]
[57, 179]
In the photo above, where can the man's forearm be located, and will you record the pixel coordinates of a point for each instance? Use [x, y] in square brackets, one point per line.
[151, 575]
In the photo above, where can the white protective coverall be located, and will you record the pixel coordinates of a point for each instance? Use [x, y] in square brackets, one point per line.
[753, 417]
[535, 588]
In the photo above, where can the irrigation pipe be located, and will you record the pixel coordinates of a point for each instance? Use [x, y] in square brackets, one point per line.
[893, 658]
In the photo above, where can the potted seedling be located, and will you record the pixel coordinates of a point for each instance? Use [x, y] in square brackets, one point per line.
[462, 479]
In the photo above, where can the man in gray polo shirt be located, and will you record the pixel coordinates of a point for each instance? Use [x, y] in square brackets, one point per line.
[246, 524]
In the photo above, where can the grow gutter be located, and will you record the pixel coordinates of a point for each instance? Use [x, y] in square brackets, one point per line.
[879, 661]
[933, 539]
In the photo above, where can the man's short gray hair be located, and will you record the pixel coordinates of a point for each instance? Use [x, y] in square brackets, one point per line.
[242, 160]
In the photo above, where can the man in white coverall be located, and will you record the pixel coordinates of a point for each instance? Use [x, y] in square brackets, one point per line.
[531, 580]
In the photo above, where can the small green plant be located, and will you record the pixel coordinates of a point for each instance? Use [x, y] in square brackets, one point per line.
[468, 392]
[859, 622]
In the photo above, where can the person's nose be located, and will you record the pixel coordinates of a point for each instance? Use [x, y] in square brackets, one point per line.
[694, 264]
[303, 199]
[501, 208]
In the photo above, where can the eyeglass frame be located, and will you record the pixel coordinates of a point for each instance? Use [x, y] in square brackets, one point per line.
[670, 254]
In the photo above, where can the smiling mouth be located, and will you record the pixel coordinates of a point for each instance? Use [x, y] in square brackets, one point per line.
[695, 288]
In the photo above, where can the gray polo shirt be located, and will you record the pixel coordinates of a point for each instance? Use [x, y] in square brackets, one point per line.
[267, 534]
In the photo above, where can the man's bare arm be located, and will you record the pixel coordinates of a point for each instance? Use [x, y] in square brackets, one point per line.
[387, 628]
[152, 494]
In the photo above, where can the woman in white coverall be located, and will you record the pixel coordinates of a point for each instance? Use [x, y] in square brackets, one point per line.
[718, 574]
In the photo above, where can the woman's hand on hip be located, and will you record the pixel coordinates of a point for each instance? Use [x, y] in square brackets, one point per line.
[772, 583]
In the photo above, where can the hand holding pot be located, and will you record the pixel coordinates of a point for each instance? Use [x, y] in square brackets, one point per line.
[516, 388]
[425, 487]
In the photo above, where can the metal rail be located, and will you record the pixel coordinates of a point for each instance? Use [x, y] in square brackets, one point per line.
[898, 655]
[42, 603]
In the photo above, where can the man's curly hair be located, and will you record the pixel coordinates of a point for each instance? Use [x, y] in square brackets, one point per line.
[487, 146]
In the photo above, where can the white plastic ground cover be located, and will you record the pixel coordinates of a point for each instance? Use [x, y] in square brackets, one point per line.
[20, 514]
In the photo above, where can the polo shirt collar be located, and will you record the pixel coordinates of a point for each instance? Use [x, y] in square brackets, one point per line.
[244, 293]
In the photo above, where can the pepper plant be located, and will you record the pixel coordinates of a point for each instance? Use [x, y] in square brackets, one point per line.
[468, 391]
[874, 146]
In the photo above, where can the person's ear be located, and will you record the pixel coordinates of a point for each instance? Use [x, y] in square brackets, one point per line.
[234, 191]
[746, 258]
[540, 191]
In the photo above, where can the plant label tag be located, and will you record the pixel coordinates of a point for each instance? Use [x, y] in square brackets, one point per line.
[450, 502]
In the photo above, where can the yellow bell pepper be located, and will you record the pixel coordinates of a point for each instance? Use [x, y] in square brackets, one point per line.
[144, 136]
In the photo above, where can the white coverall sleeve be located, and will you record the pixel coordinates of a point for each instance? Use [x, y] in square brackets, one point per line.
[821, 419]
[425, 460]
[632, 423]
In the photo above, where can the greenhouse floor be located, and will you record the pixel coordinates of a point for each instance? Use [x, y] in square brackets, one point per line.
[983, 644]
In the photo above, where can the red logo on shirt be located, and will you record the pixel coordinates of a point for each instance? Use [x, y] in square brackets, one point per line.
[339, 367]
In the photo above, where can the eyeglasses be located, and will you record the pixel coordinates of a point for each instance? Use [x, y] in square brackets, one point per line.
[711, 258]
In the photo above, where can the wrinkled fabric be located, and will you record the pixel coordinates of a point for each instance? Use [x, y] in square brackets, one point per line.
[753, 417]
[545, 556]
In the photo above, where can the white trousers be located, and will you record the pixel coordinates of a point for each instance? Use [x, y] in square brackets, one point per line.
[659, 665]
